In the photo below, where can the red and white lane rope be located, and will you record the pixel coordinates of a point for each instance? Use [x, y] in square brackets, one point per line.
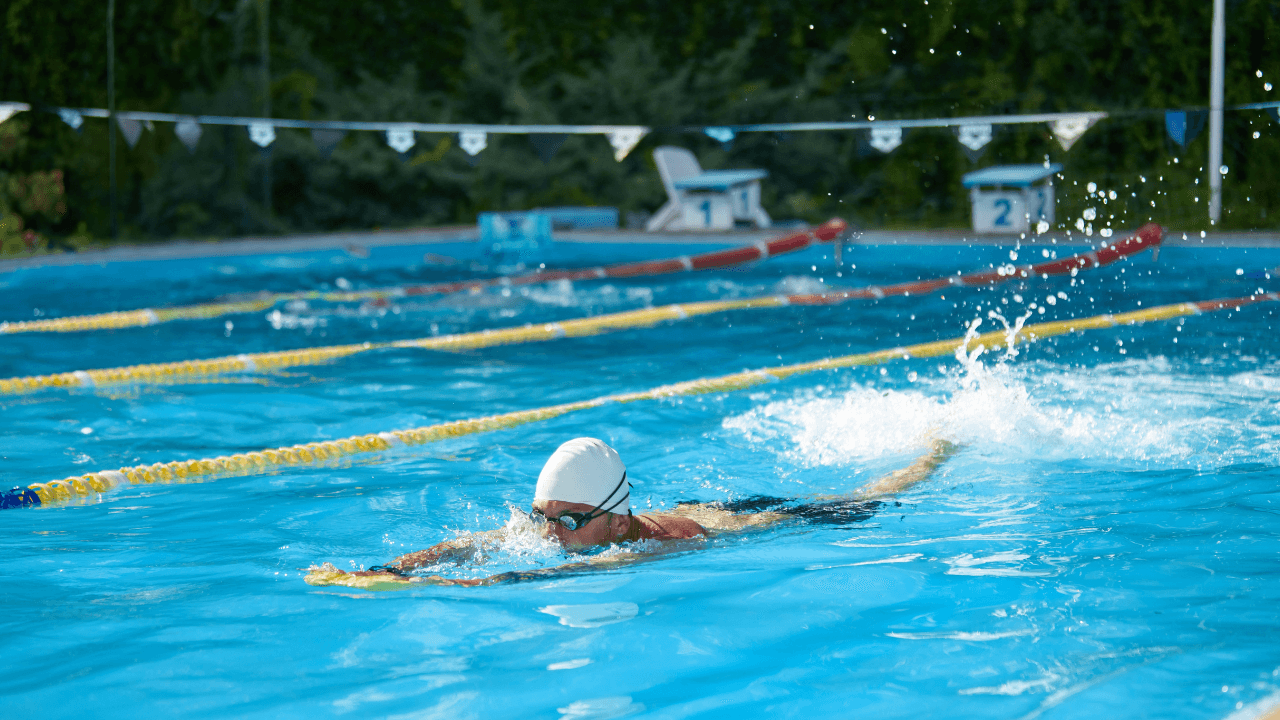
[825, 233]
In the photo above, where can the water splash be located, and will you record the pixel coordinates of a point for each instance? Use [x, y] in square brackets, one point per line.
[1144, 413]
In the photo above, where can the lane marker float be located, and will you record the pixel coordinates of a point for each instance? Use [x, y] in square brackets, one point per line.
[1148, 236]
[824, 233]
[316, 453]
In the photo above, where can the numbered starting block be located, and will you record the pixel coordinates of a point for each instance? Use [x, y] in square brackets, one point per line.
[515, 239]
[706, 200]
[1011, 198]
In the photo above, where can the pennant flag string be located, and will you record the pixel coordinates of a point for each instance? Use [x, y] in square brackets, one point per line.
[973, 132]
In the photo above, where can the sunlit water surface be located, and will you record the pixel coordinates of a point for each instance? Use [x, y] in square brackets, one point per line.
[1104, 545]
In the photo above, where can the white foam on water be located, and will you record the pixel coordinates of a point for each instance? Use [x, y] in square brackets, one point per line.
[1145, 411]
[600, 708]
[593, 615]
[523, 544]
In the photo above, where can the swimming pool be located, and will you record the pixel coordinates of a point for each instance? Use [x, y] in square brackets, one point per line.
[1104, 544]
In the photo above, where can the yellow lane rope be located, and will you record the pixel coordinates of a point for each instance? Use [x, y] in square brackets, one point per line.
[84, 486]
[136, 318]
[184, 369]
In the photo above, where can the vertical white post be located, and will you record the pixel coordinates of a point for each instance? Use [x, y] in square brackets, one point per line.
[1216, 70]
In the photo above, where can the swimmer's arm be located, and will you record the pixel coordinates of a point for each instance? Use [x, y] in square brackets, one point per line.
[377, 581]
[456, 551]
[593, 564]
[917, 472]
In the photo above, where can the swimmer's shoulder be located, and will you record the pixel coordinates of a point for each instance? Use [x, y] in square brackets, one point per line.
[663, 526]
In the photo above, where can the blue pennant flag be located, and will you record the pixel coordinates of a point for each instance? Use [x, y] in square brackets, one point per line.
[1184, 126]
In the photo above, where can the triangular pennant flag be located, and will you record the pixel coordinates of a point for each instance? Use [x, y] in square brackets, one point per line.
[547, 144]
[188, 132]
[131, 130]
[473, 141]
[262, 134]
[400, 139]
[1068, 130]
[723, 135]
[327, 140]
[974, 138]
[1183, 127]
[9, 109]
[71, 117]
[625, 139]
[886, 139]
[1175, 123]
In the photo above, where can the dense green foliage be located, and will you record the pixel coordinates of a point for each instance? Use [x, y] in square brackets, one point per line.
[661, 64]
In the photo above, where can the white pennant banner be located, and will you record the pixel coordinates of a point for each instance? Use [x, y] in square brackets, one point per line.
[975, 137]
[188, 132]
[624, 140]
[473, 141]
[262, 134]
[130, 129]
[9, 109]
[886, 139]
[1069, 130]
[401, 139]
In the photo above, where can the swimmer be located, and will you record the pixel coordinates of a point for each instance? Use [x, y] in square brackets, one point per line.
[583, 499]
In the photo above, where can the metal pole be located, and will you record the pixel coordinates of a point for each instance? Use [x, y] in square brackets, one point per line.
[111, 106]
[264, 49]
[1216, 70]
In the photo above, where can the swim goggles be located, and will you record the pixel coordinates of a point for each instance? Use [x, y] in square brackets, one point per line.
[574, 520]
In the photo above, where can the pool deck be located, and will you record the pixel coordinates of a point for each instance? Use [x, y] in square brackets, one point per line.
[358, 243]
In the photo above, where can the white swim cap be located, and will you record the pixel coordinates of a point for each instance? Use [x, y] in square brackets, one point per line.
[587, 471]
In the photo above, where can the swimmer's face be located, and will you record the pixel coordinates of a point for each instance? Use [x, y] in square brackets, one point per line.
[598, 531]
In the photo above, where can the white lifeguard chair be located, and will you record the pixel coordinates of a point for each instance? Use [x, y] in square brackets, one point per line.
[697, 200]
[1011, 198]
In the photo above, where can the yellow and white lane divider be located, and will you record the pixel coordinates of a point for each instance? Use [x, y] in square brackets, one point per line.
[85, 486]
[255, 362]
[136, 318]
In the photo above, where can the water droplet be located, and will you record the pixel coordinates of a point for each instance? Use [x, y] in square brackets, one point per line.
[1092, 188]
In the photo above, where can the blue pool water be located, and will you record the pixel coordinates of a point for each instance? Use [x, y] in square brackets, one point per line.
[1104, 545]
